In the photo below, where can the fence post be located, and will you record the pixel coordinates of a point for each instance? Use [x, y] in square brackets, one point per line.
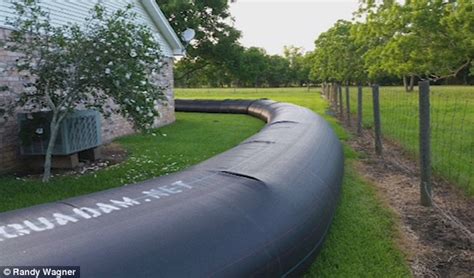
[359, 110]
[348, 105]
[326, 90]
[333, 93]
[425, 143]
[378, 130]
[341, 104]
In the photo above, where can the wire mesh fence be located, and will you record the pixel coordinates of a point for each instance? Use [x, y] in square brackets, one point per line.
[451, 119]
[453, 135]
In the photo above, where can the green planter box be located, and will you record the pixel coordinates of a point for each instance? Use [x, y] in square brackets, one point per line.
[79, 131]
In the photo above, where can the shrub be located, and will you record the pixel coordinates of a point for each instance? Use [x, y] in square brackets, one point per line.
[108, 64]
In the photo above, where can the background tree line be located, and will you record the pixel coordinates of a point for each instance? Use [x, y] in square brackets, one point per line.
[387, 42]
[215, 58]
[250, 67]
[390, 41]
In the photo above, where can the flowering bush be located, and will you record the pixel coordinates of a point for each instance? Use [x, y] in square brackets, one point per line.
[108, 64]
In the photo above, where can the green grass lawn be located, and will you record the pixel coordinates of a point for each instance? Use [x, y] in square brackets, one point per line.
[452, 122]
[360, 242]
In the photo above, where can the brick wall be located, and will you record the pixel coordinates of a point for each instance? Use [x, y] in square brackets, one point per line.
[166, 80]
[112, 127]
[9, 156]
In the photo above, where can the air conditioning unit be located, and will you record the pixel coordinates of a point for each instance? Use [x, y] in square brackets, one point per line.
[81, 130]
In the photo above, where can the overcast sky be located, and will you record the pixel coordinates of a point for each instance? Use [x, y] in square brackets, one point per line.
[272, 24]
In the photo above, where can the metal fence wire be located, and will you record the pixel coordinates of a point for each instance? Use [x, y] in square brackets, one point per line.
[451, 119]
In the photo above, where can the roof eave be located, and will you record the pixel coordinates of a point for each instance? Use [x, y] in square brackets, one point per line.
[164, 26]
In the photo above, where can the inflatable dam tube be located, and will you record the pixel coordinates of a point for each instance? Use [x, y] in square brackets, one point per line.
[262, 208]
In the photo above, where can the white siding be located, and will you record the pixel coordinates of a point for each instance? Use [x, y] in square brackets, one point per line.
[64, 12]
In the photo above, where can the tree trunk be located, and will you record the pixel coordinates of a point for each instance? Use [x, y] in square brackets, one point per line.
[54, 128]
[412, 83]
[405, 83]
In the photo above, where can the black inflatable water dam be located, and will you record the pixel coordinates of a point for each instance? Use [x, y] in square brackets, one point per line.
[262, 208]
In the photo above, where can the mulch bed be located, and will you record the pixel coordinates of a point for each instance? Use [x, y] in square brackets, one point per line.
[111, 154]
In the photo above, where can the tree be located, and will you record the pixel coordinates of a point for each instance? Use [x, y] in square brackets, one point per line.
[299, 63]
[252, 66]
[277, 71]
[292, 55]
[445, 32]
[430, 39]
[337, 55]
[216, 41]
[459, 24]
[304, 70]
[109, 59]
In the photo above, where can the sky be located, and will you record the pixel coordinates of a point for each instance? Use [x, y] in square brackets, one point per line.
[272, 24]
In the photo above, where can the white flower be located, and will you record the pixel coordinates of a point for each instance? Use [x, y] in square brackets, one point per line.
[115, 35]
[106, 51]
[143, 82]
[133, 53]
[97, 58]
[29, 90]
[110, 63]
[107, 71]
[150, 114]
[128, 75]
[138, 109]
